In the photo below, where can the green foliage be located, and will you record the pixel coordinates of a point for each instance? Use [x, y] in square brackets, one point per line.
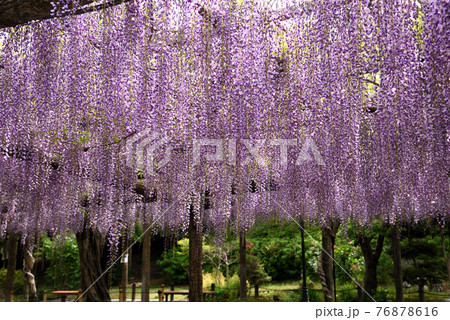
[220, 258]
[19, 281]
[349, 257]
[233, 286]
[424, 265]
[175, 262]
[62, 253]
[255, 271]
[278, 247]
[315, 296]
[381, 296]
[294, 297]
[347, 293]
[385, 267]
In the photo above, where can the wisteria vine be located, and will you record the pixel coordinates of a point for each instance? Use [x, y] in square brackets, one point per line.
[366, 80]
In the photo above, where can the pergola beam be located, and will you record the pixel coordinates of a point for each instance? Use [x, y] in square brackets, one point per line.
[18, 12]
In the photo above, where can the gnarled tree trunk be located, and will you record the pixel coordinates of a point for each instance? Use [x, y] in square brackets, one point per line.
[30, 284]
[325, 267]
[90, 247]
[195, 259]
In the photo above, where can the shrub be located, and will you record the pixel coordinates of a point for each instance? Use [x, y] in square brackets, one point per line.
[278, 247]
[64, 261]
[255, 271]
[175, 262]
[347, 293]
[19, 281]
[232, 286]
[209, 278]
[315, 295]
[380, 296]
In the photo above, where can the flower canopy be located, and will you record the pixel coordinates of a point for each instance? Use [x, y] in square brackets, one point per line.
[356, 90]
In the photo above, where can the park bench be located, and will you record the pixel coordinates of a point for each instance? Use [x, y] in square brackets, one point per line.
[64, 294]
[172, 292]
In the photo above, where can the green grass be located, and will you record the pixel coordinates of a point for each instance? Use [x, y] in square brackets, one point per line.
[286, 291]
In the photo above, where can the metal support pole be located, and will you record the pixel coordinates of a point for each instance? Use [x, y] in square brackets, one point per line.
[305, 297]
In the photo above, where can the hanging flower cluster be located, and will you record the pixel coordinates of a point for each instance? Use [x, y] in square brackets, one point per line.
[324, 109]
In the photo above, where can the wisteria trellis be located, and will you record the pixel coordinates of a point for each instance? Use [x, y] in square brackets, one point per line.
[368, 80]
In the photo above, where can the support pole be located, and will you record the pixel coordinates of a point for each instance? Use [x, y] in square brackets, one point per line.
[133, 292]
[305, 297]
[172, 288]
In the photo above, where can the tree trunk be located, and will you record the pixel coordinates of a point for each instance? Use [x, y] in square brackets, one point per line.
[90, 247]
[242, 267]
[16, 12]
[195, 259]
[421, 288]
[124, 282]
[325, 267]
[444, 251]
[227, 272]
[19, 255]
[12, 255]
[146, 250]
[130, 261]
[398, 278]
[30, 284]
[371, 263]
[3, 250]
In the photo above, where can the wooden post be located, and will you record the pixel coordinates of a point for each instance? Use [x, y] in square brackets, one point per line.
[225, 295]
[120, 295]
[421, 293]
[172, 288]
[360, 293]
[63, 297]
[276, 298]
[44, 297]
[256, 290]
[11, 296]
[161, 293]
[213, 288]
[80, 293]
[133, 292]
